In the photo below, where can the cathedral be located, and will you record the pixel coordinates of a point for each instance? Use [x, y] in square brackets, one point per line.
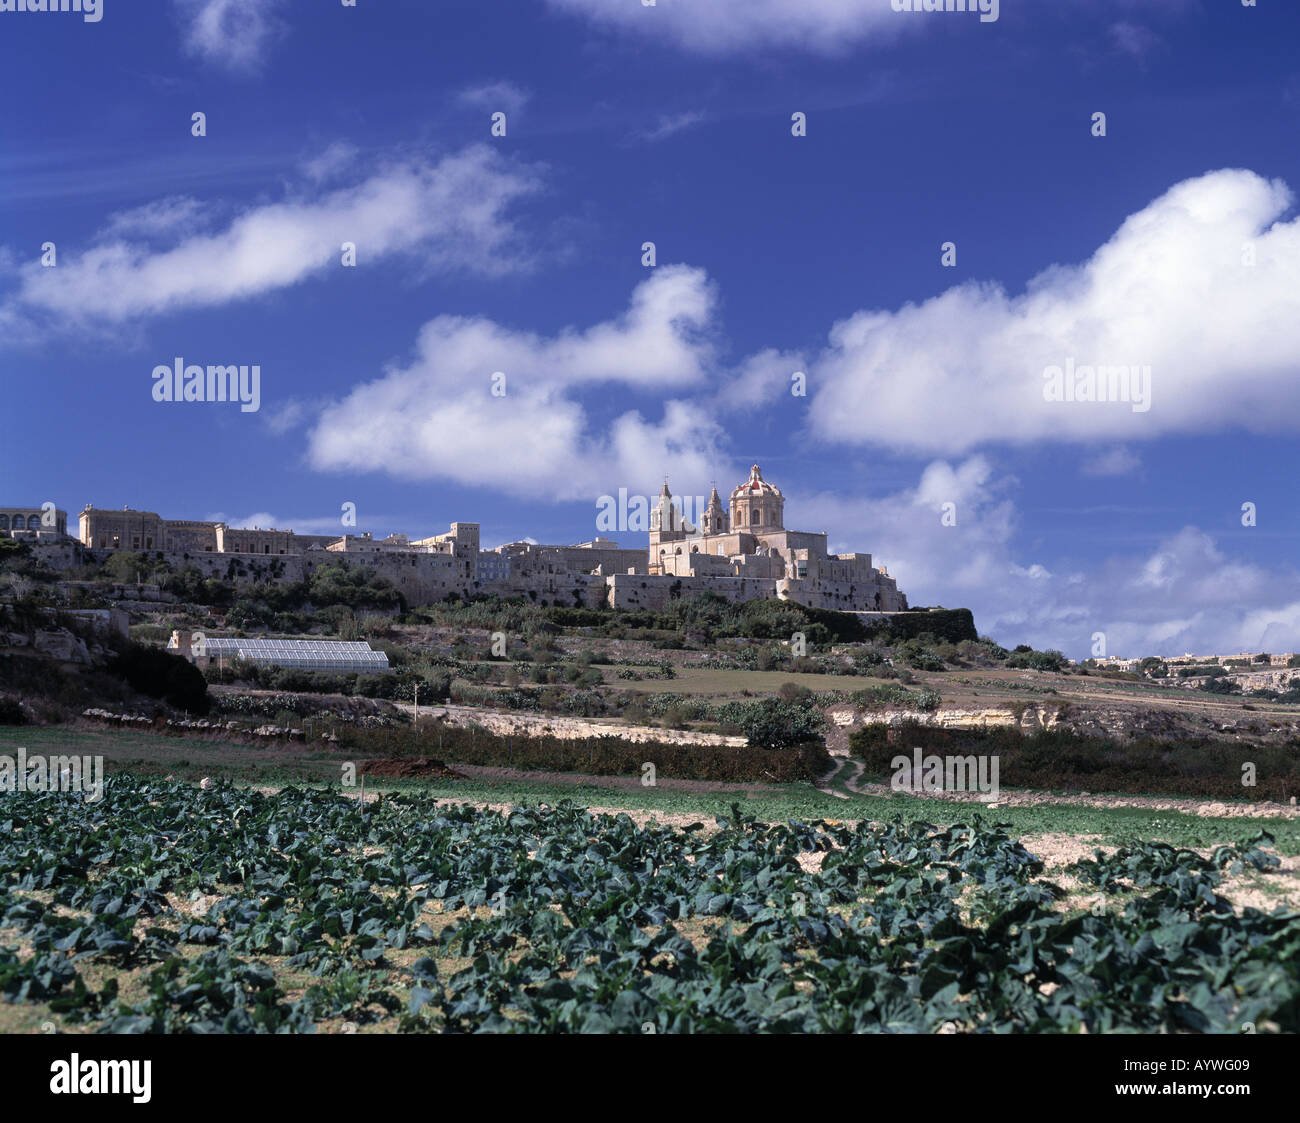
[749, 540]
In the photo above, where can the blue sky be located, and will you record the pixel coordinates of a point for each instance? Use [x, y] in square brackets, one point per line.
[775, 254]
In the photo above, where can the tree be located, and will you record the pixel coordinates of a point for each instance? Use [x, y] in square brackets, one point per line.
[775, 724]
[154, 672]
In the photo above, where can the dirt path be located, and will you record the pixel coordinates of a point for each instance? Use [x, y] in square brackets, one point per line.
[847, 772]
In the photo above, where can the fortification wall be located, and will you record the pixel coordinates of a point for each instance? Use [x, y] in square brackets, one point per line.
[624, 590]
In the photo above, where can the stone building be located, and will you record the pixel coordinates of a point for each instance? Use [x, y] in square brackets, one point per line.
[127, 529]
[740, 552]
[43, 524]
[749, 541]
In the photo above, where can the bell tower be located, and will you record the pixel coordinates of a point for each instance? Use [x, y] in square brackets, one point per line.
[715, 518]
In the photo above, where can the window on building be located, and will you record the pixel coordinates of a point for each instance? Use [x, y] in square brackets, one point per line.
[148, 543]
[4, 522]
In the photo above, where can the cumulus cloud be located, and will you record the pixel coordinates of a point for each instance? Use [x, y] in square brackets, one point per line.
[717, 26]
[162, 217]
[760, 379]
[449, 214]
[1165, 600]
[438, 418]
[233, 34]
[1202, 287]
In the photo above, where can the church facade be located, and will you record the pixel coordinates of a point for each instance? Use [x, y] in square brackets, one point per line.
[746, 546]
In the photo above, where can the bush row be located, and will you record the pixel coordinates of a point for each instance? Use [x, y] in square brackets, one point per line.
[1064, 759]
[599, 756]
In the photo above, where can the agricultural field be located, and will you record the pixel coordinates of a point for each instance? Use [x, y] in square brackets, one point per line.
[170, 908]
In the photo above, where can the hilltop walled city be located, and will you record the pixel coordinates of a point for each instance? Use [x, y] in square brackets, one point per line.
[740, 553]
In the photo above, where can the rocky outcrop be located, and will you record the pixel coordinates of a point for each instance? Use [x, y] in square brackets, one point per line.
[569, 728]
[62, 645]
[1032, 718]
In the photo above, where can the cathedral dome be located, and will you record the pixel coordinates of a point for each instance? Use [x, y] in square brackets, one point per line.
[756, 505]
[756, 486]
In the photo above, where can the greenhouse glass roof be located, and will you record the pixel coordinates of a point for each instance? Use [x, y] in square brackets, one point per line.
[303, 654]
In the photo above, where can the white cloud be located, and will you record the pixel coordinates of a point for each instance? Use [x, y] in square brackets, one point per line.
[450, 214]
[233, 34]
[1171, 291]
[495, 97]
[1165, 600]
[264, 520]
[1133, 39]
[332, 162]
[671, 124]
[283, 416]
[717, 26]
[261, 520]
[761, 379]
[1118, 461]
[437, 417]
[175, 213]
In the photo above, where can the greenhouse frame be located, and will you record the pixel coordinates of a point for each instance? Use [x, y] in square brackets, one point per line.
[338, 656]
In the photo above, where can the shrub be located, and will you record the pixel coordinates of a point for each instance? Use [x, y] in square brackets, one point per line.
[152, 671]
[777, 724]
[793, 692]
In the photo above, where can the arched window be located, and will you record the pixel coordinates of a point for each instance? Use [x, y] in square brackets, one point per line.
[4, 522]
[758, 518]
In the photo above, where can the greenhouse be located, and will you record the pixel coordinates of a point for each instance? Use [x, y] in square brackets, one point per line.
[339, 656]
